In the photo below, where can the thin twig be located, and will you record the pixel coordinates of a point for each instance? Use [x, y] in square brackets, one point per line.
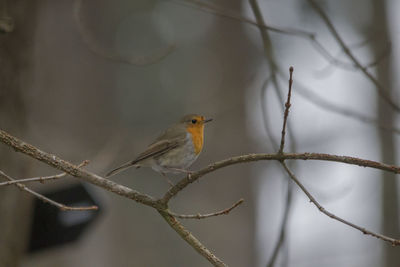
[287, 107]
[189, 238]
[204, 216]
[46, 199]
[380, 88]
[41, 179]
[394, 242]
[34, 179]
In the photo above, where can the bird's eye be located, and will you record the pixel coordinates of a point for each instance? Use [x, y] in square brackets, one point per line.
[194, 121]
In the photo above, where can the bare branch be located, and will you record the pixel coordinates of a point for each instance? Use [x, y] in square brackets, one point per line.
[204, 216]
[279, 157]
[394, 242]
[41, 179]
[46, 199]
[286, 114]
[191, 240]
[34, 179]
[73, 170]
[121, 190]
[382, 92]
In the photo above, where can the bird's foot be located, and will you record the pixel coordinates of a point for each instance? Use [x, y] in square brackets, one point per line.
[171, 184]
[181, 170]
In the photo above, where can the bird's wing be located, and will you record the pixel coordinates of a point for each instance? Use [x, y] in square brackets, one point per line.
[158, 148]
[167, 141]
[154, 150]
[170, 139]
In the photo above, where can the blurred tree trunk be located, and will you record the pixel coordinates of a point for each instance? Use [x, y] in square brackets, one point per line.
[15, 52]
[390, 221]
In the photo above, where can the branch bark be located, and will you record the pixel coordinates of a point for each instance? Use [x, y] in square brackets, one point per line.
[45, 199]
[394, 242]
[279, 157]
[162, 204]
[40, 179]
[190, 239]
[73, 170]
[204, 216]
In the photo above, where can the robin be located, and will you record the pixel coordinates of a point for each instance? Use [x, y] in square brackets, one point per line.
[174, 150]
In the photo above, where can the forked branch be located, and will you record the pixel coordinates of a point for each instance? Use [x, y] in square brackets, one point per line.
[46, 199]
[161, 205]
[394, 242]
[41, 179]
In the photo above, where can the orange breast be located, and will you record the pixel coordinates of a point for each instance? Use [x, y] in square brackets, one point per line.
[197, 133]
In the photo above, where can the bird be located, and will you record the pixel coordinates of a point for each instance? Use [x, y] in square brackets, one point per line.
[174, 151]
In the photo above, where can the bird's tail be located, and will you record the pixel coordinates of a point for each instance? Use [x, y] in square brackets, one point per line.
[122, 168]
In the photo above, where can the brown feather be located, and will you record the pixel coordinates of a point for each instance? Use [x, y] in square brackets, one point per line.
[154, 150]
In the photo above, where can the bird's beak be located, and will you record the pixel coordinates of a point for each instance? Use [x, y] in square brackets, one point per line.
[207, 120]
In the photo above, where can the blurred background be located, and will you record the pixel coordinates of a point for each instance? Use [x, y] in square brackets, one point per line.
[100, 80]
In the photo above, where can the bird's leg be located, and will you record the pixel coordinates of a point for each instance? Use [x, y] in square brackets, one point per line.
[189, 173]
[181, 170]
[168, 180]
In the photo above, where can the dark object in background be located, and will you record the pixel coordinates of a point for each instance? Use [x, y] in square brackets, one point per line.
[52, 227]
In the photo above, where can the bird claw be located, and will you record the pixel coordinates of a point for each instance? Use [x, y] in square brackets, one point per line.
[171, 184]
